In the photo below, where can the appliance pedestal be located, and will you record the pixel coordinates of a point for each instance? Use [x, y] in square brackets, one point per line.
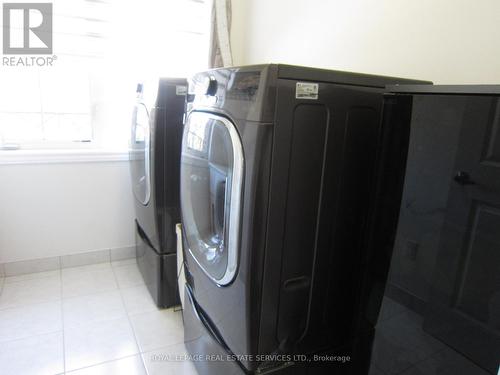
[159, 272]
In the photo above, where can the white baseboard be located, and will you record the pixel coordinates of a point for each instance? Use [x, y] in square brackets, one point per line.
[71, 260]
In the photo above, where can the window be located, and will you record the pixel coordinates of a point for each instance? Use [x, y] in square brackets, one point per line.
[103, 48]
[42, 107]
[196, 135]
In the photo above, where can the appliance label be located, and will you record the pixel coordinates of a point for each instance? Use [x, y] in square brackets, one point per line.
[180, 90]
[306, 90]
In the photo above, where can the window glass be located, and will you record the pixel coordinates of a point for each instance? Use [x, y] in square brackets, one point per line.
[102, 49]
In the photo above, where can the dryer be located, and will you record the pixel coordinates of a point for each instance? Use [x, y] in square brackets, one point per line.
[277, 184]
[154, 167]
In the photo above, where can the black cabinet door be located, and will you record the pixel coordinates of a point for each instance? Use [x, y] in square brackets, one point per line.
[464, 304]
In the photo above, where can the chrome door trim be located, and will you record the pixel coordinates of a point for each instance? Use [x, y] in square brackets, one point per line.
[147, 158]
[147, 154]
[236, 198]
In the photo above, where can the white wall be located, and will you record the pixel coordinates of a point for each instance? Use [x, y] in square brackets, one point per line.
[446, 41]
[66, 208]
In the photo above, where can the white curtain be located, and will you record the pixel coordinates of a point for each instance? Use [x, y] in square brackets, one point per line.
[220, 51]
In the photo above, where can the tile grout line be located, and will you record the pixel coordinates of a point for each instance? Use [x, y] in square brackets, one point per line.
[61, 300]
[61, 330]
[23, 305]
[59, 260]
[15, 306]
[426, 358]
[60, 268]
[30, 279]
[31, 336]
[62, 314]
[130, 323]
[99, 363]
[377, 367]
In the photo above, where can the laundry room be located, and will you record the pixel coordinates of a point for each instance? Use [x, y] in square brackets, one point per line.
[237, 187]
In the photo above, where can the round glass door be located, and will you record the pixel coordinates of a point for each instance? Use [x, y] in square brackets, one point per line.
[211, 184]
[140, 155]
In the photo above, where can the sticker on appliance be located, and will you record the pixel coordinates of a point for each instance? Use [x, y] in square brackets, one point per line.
[306, 90]
[180, 90]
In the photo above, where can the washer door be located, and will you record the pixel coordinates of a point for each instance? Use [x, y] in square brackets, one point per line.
[211, 190]
[140, 154]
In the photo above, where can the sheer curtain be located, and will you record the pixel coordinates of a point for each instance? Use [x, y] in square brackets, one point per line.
[220, 46]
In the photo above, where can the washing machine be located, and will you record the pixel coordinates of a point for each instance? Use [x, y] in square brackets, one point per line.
[155, 149]
[277, 184]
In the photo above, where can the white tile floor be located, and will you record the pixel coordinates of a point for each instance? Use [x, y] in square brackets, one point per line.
[96, 319]
[100, 319]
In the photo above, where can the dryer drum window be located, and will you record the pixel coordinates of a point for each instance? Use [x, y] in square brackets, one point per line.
[211, 184]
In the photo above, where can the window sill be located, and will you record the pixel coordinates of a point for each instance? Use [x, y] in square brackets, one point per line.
[61, 156]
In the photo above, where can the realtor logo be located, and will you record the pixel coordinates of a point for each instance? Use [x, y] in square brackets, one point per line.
[27, 28]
